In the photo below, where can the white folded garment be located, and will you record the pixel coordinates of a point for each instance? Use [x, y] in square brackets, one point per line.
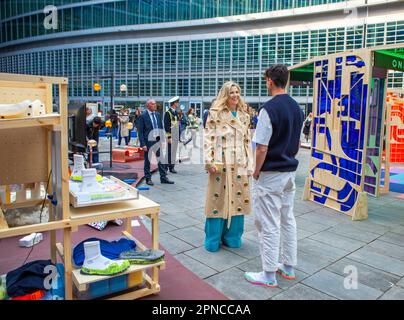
[30, 240]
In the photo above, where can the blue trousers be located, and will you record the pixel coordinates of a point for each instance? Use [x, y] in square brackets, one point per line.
[216, 231]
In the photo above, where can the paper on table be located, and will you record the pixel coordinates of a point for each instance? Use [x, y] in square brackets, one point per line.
[135, 223]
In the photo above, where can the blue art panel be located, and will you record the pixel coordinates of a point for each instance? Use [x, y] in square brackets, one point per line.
[337, 151]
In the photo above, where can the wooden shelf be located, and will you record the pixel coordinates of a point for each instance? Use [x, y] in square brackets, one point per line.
[121, 210]
[39, 227]
[45, 120]
[24, 204]
[3, 222]
[82, 280]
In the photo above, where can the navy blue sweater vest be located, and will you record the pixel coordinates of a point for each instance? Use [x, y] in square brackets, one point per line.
[287, 121]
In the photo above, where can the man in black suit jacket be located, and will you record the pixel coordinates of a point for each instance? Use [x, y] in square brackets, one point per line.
[150, 130]
[171, 126]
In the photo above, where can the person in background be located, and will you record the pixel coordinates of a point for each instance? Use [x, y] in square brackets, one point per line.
[205, 115]
[307, 126]
[255, 120]
[123, 131]
[171, 126]
[89, 115]
[229, 162]
[135, 117]
[113, 117]
[93, 133]
[193, 125]
[277, 139]
[183, 121]
[150, 132]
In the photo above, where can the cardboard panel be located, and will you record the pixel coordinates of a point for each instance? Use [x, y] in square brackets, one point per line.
[23, 155]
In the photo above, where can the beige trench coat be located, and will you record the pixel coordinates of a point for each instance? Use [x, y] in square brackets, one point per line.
[123, 125]
[227, 146]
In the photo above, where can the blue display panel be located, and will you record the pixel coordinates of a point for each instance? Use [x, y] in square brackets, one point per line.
[339, 131]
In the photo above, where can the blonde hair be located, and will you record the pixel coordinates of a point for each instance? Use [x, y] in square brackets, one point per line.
[220, 102]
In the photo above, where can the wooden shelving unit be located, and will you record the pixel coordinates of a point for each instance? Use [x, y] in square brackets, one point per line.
[34, 150]
[122, 210]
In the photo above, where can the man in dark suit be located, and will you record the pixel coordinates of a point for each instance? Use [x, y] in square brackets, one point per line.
[150, 129]
[171, 126]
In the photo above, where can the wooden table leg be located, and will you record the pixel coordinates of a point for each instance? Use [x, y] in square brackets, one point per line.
[67, 246]
[155, 244]
[128, 225]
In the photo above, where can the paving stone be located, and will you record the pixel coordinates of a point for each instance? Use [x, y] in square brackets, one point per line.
[220, 260]
[320, 249]
[401, 283]
[200, 216]
[179, 220]
[337, 241]
[395, 293]
[200, 226]
[173, 244]
[301, 233]
[333, 285]
[388, 249]
[310, 263]
[398, 229]
[304, 206]
[232, 284]
[310, 225]
[351, 232]
[251, 235]
[367, 275]
[163, 226]
[254, 264]
[171, 207]
[394, 238]
[191, 235]
[302, 292]
[196, 267]
[370, 226]
[370, 257]
[249, 249]
[317, 217]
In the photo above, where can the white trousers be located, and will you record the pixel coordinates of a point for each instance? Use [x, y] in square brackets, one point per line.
[273, 196]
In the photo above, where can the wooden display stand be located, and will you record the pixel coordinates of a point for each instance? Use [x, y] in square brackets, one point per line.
[122, 210]
[33, 152]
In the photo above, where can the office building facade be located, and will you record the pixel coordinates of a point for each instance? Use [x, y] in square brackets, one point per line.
[161, 48]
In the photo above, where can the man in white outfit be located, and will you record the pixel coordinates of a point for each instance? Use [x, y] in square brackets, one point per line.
[277, 139]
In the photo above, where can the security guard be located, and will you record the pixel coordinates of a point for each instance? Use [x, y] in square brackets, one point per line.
[171, 126]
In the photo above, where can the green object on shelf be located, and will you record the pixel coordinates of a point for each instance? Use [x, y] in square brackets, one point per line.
[3, 293]
[113, 268]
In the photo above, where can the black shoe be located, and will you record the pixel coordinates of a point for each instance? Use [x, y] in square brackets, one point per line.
[167, 181]
[173, 171]
[149, 182]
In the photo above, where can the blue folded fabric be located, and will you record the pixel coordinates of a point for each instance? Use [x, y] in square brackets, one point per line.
[110, 250]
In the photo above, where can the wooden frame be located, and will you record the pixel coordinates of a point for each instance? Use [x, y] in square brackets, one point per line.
[53, 142]
[122, 210]
[41, 134]
[322, 186]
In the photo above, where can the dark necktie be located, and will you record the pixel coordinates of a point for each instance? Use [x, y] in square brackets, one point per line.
[154, 120]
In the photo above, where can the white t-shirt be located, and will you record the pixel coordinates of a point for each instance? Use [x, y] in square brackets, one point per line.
[263, 132]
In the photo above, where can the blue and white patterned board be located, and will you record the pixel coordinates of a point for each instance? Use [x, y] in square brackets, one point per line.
[339, 130]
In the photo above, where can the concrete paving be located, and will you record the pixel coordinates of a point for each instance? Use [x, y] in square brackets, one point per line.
[332, 249]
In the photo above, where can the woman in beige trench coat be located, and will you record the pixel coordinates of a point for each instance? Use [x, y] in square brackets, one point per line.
[229, 162]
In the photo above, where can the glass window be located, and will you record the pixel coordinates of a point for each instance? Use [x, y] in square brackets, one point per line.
[184, 9]
[133, 12]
